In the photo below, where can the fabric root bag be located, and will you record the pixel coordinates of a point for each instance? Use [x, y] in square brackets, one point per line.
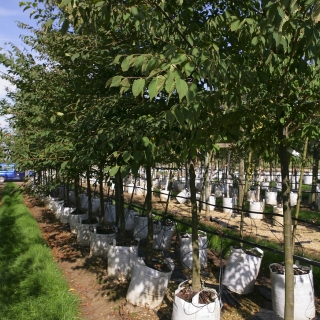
[183, 310]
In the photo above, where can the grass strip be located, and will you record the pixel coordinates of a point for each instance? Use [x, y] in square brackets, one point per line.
[31, 286]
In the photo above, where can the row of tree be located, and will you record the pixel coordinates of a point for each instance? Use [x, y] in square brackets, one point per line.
[121, 85]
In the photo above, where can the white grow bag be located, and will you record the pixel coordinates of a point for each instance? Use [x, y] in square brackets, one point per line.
[99, 242]
[227, 204]
[84, 231]
[140, 229]
[95, 205]
[129, 219]
[84, 201]
[121, 260]
[64, 215]
[293, 199]
[186, 249]
[74, 220]
[162, 236]
[304, 307]
[183, 310]
[183, 196]
[242, 270]
[148, 286]
[109, 213]
[255, 207]
[271, 198]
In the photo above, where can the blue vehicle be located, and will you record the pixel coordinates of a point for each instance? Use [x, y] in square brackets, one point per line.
[8, 172]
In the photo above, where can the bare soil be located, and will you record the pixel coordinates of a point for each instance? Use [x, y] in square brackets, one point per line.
[104, 298]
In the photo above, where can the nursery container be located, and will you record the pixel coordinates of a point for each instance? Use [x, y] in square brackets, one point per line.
[84, 201]
[242, 269]
[64, 215]
[148, 286]
[183, 196]
[140, 229]
[212, 202]
[164, 195]
[255, 207]
[186, 249]
[129, 219]
[271, 198]
[109, 213]
[162, 235]
[99, 242]
[183, 310]
[304, 304]
[307, 178]
[293, 199]
[74, 218]
[95, 205]
[121, 260]
[83, 232]
[130, 188]
[227, 204]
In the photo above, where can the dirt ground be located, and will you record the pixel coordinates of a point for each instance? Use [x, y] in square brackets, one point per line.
[104, 298]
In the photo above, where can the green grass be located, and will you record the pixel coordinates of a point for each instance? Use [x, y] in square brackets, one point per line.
[32, 286]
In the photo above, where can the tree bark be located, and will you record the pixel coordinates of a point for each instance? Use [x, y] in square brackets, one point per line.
[89, 196]
[149, 216]
[101, 193]
[76, 192]
[195, 221]
[315, 169]
[287, 225]
[120, 205]
[295, 223]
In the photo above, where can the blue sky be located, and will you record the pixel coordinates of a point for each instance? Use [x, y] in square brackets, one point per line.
[10, 13]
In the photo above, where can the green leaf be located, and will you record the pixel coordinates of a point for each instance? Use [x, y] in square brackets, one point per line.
[235, 25]
[255, 41]
[145, 141]
[137, 156]
[115, 82]
[316, 12]
[179, 116]
[192, 92]
[117, 58]
[63, 165]
[138, 86]
[179, 58]
[125, 65]
[126, 156]
[155, 86]
[64, 3]
[113, 171]
[170, 84]
[189, 68]
[182, 88]
[65, 26]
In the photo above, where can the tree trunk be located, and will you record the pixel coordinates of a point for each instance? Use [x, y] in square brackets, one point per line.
[149, 216]
[315, 169]
[195, 222]
[245, 191]
[287, 223]
[89, 196]
[120, 205]
[241, 183]
[76, 192]
[295, 223]
[207, 183]
[101, 195]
